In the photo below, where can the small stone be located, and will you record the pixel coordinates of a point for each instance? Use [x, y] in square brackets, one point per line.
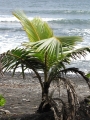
[7, 112]
[27, 100]
[16, 107]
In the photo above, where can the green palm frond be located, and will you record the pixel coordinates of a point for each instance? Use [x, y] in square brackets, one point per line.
[66, 59]
[54, 46]
[35, 29]
[27, 26]
[51, 45]
[68, 41]
[21, 58]
[56, 67]
[77, 53]
[43, 29]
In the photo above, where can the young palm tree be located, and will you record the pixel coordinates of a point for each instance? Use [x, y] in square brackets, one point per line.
[47, 53]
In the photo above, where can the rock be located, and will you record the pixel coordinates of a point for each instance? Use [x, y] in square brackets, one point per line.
[27, 100]
[7, 112]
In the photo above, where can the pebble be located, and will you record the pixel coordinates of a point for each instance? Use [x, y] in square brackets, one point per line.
[2, 111]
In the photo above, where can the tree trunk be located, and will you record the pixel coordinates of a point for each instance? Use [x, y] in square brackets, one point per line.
[44, 105]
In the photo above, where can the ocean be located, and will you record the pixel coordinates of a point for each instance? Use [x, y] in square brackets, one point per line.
[66, 18]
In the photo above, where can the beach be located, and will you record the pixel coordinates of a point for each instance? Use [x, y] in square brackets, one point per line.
[23, 96]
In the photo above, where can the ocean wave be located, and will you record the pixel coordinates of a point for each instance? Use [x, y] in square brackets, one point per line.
[7, 19]
[55, 20]
[75, 12]
[72, 21]
[13, 19]
[10, 29]
[58, 11]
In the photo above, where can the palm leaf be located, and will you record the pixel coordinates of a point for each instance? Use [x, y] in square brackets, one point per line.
[69, 41]
[35, 29]
[21, 58]
[43, 29]
[61, 62]
[27, 25]
[52, 46]
[77, 71]
[77, 53]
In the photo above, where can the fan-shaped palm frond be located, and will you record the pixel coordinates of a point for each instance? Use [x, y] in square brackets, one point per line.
[51, 45]
[54, 49]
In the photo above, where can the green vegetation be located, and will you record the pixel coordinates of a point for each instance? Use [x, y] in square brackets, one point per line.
[47, 53]
[2, 100]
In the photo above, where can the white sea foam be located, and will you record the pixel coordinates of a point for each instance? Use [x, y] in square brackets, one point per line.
[5, 18]
[52, 19]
